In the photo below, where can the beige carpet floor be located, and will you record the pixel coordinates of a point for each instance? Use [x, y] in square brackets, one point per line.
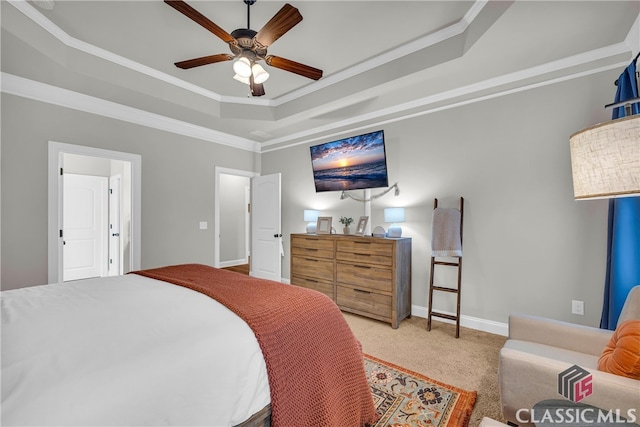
[469, 362]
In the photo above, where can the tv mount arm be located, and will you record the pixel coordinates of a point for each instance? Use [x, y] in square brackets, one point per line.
[346, 194]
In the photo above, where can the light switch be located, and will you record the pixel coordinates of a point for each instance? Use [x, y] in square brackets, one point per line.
[203, 225]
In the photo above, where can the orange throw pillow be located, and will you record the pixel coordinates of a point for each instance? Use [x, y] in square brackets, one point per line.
[622, 355]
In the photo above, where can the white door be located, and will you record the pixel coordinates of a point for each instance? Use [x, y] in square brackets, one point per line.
[266, 231]
[84, 226]
[115, 252]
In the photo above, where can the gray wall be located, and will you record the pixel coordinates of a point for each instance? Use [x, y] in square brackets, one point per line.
[528, 246]
[177, 185]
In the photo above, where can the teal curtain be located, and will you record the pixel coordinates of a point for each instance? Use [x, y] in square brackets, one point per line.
[623, 241]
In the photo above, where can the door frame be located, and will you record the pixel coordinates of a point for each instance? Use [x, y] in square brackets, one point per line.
[216, 226]
[115, 215]
[54, 241]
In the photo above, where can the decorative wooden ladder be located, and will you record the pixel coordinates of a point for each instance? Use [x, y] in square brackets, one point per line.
[458, 265]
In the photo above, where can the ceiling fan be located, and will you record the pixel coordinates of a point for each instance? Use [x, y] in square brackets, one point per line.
[249, 46]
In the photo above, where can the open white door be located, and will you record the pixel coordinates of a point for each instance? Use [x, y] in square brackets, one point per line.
[84, 227]
[266, 231]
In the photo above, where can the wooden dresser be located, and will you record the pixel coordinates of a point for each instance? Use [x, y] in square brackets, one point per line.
[369, 276]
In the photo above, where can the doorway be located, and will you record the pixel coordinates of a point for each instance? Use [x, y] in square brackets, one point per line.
[260, 218]
[232, 217]
[122, 231]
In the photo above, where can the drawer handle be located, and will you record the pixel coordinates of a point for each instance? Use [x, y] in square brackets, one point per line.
[312, 281]
[362, 243]
[361, 291]
[363, 266]
[367, 255]
[310, 250]
[311, 259]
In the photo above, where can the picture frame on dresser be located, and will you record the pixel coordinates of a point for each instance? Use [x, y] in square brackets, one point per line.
[362, 225]
[324, 225]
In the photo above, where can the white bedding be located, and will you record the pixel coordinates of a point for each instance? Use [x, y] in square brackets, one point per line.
[126, 350]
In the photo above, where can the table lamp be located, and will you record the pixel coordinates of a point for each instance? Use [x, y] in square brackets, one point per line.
[311, 216]
[394, 215]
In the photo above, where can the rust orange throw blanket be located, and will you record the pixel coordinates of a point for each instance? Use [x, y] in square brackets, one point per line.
[314, 363]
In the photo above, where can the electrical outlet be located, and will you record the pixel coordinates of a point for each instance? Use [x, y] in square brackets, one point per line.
[577, 307]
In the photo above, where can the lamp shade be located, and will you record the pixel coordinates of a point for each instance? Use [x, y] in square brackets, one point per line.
[241, 79]
[259, 74]
[311, 215]
[393, 214]
[605, 159]
[242, 67]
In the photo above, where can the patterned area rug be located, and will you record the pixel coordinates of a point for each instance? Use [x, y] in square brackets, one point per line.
[407, 399]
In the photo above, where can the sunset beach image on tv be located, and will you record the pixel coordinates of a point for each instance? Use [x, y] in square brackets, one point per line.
[353, 163]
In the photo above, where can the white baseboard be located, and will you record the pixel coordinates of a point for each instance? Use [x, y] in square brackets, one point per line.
[470, 322]
[233, 263]
[476, 323]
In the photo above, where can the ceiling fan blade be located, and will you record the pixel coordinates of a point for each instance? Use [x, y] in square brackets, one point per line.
[286, 18]
[196, 62]
[293, 67]
[199, 18]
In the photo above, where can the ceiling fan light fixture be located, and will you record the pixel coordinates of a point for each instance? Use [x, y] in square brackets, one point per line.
[247, 46]
[259, 74]
[242, 67]
[241, 79]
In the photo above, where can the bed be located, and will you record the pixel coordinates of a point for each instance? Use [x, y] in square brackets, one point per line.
[182, 345]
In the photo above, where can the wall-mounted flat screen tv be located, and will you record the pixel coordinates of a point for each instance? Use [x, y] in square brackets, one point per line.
[353, 163]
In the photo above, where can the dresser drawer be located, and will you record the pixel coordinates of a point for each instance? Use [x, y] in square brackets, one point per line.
[364, 301]
[375, 278]
[365, 251]
[311, 267]
[326, 287]
[312, 242]
[312, 252]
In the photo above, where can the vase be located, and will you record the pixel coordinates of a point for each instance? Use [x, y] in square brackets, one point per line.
[347, 230]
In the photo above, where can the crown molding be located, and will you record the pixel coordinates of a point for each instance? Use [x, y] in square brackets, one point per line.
[21, 86]
[633, 37]
[525, 79]
[433, 103]
[390, 56]
[26, 88]
[90, 49]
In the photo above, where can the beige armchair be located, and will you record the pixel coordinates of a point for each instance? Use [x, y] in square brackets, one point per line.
[538, 349]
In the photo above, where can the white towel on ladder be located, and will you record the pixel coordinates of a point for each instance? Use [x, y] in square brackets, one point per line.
[445, 233]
